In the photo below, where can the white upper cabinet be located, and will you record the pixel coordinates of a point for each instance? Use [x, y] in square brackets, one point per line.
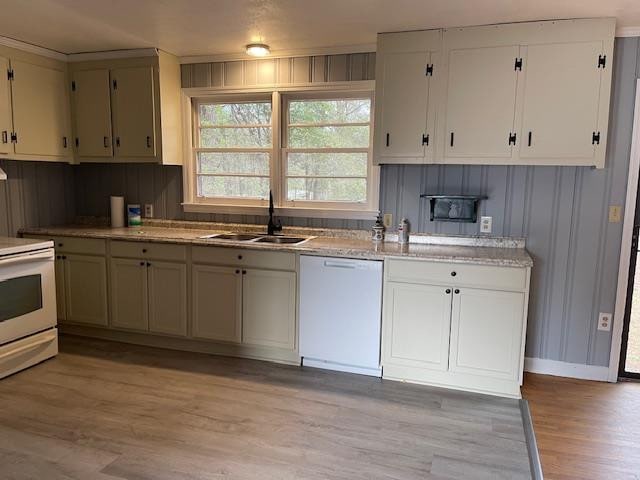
[565, 127]
[5, 108]
[532, 93]
[481, 101]
[133, 111]
[406, 64]
[92, 113]
[40, 110]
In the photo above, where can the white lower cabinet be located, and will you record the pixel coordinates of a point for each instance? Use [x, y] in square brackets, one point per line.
[419, 333]
[486, 332]
[269, 308]
[85, 289]
[129, 297]
[217, 303]
[149, 295]
[456, 326]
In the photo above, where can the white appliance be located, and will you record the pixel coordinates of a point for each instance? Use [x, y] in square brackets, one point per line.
[28, 333]
[340, 314]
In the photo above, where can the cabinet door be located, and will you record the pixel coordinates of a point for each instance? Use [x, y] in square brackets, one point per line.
[481, 100]
[61, 301]
[486, 333]
[217, 303]
[85, 288]
[133, 111]
[167, 297]
[6, 125]
[40, 110]
[567, 77]
[416, 325]
[129, 299]
[269, 308]
[92, 113]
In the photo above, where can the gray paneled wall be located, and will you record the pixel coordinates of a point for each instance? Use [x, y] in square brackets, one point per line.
[35, 194]
[269, 71]
[563, 213]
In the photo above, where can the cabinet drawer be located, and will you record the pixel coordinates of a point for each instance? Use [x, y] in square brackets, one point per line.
[86, 246]
[246, 258]
[158, 251]
[485, 276]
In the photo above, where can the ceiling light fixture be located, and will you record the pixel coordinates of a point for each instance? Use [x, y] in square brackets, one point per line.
[258, 49]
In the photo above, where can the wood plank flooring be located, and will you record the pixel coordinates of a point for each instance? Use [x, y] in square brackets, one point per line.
[105, 410]
[585, 430]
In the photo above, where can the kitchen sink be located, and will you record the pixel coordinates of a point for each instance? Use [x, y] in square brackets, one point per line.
[281, 239]
[236, 237]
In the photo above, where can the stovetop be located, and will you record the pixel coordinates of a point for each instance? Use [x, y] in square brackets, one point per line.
[13, 246]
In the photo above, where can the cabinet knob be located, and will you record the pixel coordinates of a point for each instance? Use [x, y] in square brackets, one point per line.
[148, 142]
[144, 250]
[237, 271]
[60, 244]
[453, 274]
[64, 257]
[142, 264]
[244, 272]
[148, 264]
[239, 257]
[456, 291]
[448, 290]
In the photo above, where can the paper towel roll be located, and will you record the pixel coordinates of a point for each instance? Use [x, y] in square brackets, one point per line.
[117, 212]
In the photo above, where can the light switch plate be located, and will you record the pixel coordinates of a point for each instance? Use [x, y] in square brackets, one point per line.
[615, 214]
[604, 322]
[387, 219]
[485, 224]
[148, 210]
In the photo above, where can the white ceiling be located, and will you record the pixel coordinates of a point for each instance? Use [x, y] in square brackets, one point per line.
[205, 27]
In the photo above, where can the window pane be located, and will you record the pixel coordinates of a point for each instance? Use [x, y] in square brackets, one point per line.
[255, 137]
[327, 189]
[258, 113]
[243, 187]
[329, 137]
[255, 163]
[352, 110]
[327, 164]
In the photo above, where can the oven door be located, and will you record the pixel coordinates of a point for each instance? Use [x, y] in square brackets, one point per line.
[27, 294]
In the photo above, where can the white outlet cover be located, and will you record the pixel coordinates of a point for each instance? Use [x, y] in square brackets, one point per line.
[485, 224]
[604, 322]
[148, 210]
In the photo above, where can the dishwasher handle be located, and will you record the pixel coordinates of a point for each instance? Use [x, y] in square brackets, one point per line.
[339, 264]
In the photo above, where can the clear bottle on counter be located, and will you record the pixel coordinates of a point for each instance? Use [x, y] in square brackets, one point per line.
[403, 231]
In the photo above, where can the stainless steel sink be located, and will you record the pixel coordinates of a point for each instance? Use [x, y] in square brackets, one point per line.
[281, 239]
[236, 237]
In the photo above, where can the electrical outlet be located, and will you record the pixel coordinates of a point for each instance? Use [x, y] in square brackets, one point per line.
[485, 224]
[387, 219]
[148, 210]
[615, 214]
[604, 322]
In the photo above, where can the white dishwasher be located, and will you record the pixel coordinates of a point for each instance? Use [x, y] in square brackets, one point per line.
[340, 314]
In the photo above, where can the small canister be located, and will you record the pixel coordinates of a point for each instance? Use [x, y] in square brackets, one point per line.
[377, 232]
[403, 231]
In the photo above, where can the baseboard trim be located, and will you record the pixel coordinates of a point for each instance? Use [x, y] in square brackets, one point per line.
[566, 369]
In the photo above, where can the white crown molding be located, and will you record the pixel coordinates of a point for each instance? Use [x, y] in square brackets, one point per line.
[628, 32]
[299, 52]
[112, 54]
[29, 47]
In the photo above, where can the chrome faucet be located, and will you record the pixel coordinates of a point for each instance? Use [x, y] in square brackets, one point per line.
[272, 227]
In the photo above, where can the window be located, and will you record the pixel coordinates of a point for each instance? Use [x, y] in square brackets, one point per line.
[311, 149]
[233, 153]
[327, 154]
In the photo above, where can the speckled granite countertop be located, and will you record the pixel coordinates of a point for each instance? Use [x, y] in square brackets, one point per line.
[479, 250]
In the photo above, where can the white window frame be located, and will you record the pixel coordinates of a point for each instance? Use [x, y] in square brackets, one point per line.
[192, 96]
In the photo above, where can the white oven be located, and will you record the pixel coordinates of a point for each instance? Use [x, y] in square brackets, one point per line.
[27, 304]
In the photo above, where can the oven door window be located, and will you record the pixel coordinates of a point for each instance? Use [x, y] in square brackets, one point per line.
[19, 296]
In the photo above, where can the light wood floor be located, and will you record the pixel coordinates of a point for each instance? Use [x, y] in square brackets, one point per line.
[585, 430]
[103, 410]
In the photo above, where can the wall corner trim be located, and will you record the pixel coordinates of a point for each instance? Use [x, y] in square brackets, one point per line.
[557, 368]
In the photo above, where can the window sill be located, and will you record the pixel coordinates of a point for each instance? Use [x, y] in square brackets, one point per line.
[281, 211]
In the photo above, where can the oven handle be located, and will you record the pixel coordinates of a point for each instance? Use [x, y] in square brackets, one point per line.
[34, 257]
[29, 346]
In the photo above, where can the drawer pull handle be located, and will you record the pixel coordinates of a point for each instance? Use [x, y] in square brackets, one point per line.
[456, 291]
[453, 274]
[448, 290]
